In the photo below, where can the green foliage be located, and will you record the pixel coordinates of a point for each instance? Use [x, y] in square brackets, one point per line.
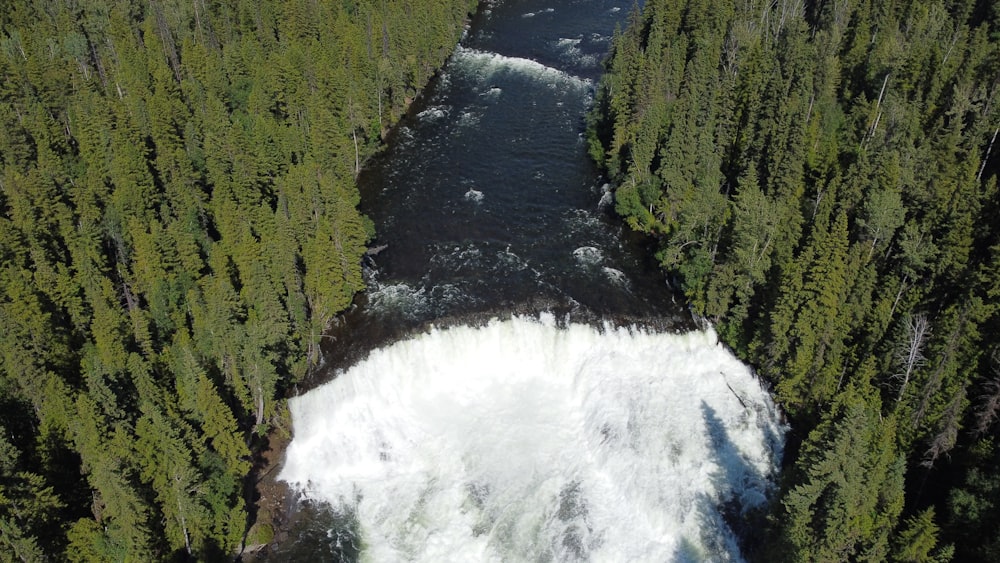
[27, 506]
[178, 226]
[822, 179]
[973, 506]
[918, 539]
[850, 486]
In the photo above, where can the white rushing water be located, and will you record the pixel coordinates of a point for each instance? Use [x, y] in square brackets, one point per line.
[524, 441]
[485, 65]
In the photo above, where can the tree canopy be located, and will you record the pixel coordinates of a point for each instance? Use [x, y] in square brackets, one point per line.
[178, 226]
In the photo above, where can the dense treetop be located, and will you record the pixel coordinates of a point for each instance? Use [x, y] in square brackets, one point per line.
[822, 180]
[178, 226]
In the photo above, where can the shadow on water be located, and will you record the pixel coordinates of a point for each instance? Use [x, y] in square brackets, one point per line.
[744, 511]
[320, 535]
[688, 552]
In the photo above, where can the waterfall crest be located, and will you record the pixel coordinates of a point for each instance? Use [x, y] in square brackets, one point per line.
[525, 440]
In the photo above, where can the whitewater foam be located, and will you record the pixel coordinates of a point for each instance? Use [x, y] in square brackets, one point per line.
[570, 52]
[468, 119]
[533, 14]
[474, 195]
[400, 297]
[484, 65]
[507, 262]
[402, 300]
[434, 113]
[607, 197]
[588, 255]
[521, 440]
[615, 275]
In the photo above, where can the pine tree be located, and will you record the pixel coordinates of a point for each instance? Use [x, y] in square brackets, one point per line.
[849, 489]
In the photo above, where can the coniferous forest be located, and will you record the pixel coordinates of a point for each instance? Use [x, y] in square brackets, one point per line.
[821, 181]
[178, 228]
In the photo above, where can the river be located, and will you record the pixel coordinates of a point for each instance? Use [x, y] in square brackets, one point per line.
[518, 384]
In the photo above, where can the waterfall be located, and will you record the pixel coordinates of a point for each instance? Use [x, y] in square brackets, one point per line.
[530, 439]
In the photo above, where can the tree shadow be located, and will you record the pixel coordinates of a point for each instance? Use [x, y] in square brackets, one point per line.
[688, 552]
[747, 490]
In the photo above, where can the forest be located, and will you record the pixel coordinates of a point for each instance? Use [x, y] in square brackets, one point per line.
[178, 227]
[820, 179]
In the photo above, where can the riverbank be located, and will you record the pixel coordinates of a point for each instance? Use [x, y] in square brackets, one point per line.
[271, 504]
[533, 237]
[270, 501]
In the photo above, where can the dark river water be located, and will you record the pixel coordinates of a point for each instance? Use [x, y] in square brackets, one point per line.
[485, 198]
[489, 207]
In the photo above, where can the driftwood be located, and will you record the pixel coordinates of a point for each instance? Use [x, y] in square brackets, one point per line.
[375, 250]
[735, 394]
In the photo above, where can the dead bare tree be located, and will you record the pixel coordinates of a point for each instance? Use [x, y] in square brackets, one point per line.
[873, 127]
[947, 434]
[989, 149]
[988, 409]
[910, 355]
[166, 39]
